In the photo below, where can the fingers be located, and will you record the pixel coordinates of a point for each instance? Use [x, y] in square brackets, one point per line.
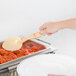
[43, 27]
[43, 30]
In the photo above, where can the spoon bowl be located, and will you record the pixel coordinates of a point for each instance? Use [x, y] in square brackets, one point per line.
[13, 43]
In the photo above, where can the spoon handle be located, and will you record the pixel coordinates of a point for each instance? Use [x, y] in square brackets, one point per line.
[32, 36]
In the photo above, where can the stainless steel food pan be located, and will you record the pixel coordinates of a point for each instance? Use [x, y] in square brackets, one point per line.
[17, 61]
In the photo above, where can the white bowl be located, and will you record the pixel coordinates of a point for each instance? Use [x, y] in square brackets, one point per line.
[42, 65]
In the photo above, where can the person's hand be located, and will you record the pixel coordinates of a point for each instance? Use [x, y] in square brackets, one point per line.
[50, 28]
[54, 75]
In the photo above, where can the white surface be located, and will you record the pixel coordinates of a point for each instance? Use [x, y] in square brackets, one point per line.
[22, 17]
[64, 41]
[43, 65]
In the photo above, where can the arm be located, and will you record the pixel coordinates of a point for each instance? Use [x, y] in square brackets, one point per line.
[70, 23]
[52, 27]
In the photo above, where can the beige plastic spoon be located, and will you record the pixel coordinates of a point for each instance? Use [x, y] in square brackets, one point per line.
[15, 43]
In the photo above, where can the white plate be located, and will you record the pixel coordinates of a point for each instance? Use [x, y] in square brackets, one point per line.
[42, 65]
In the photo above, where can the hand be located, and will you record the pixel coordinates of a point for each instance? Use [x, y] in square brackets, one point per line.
[50, 28]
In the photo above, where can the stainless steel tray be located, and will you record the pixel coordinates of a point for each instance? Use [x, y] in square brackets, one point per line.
[17, 61]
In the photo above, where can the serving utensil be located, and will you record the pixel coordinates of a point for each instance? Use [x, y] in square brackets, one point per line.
[15, 43]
